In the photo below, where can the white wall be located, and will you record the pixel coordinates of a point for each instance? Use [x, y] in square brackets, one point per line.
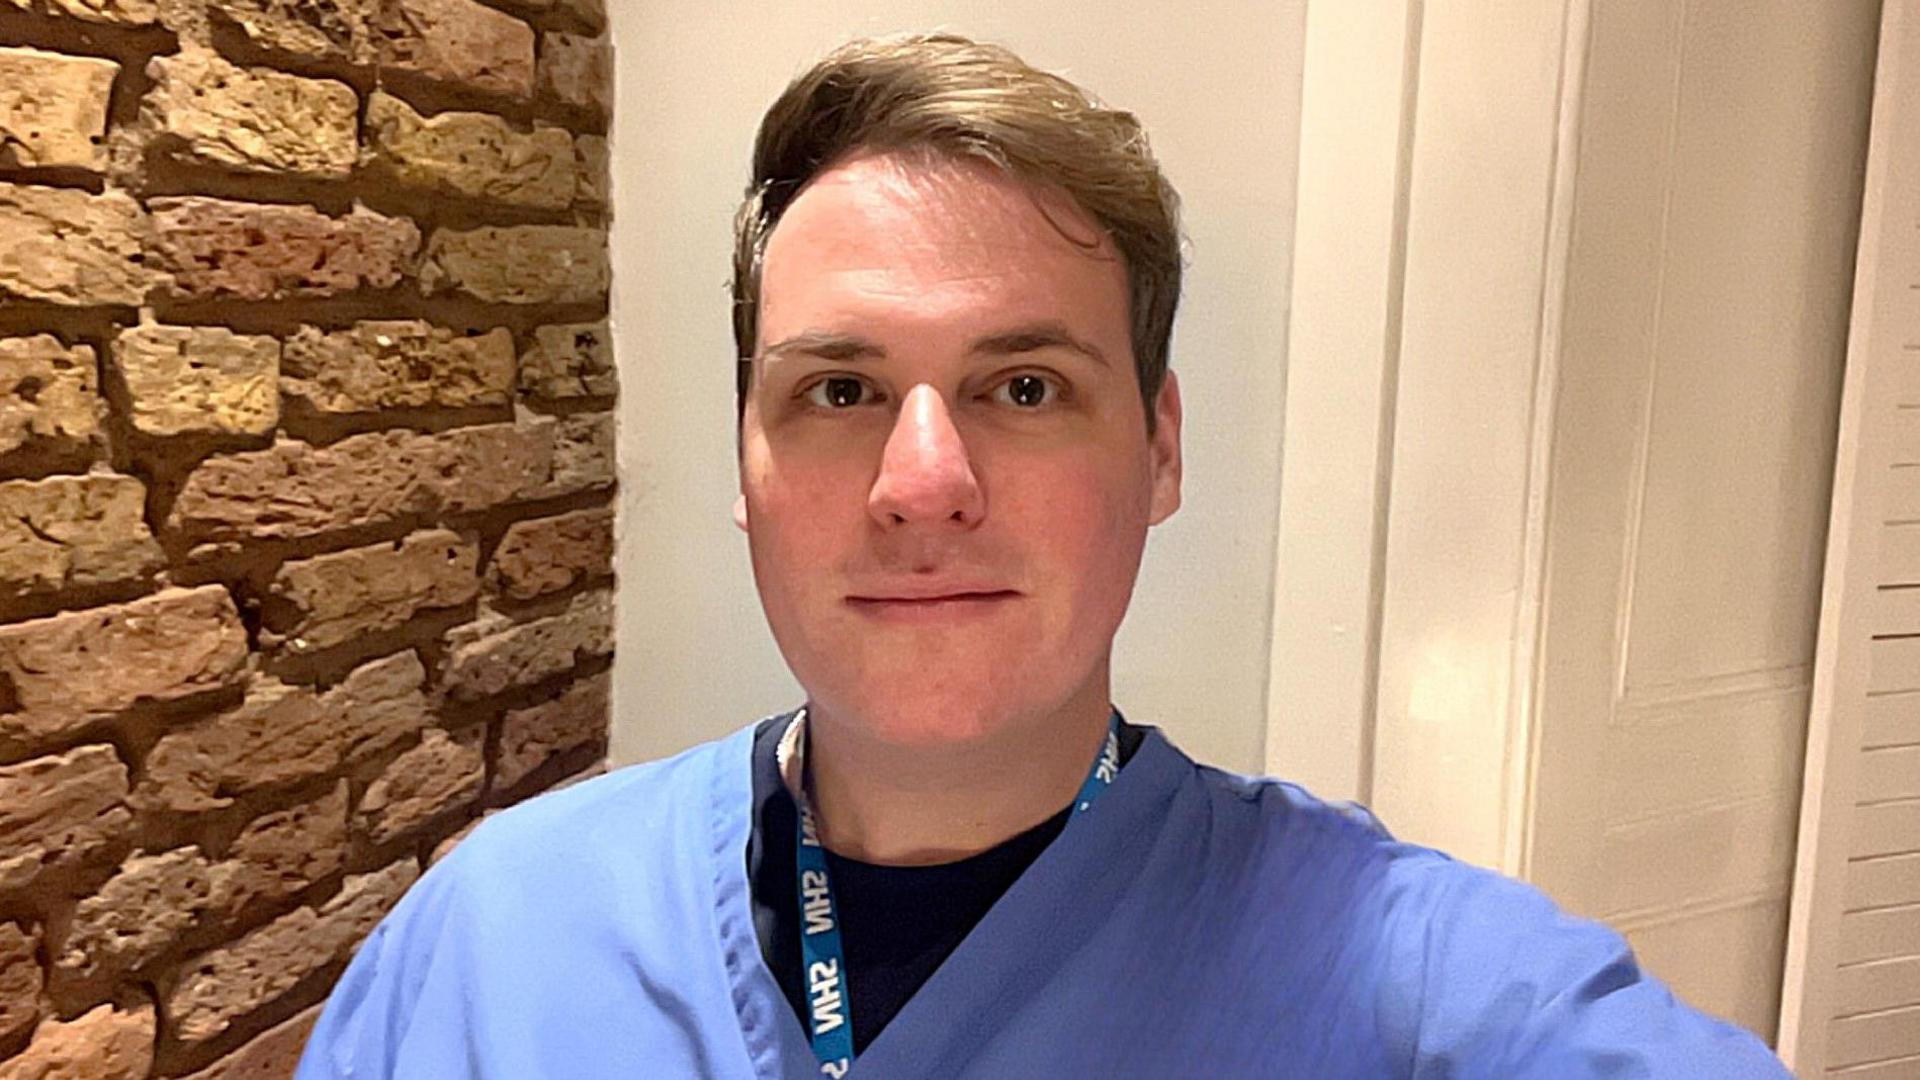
[1217, 85]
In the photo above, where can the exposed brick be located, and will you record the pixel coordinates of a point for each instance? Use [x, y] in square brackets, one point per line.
[461, 42]
[20, 978]
[199, 380]
[282, 734]
[314, 29]
[68, 247]
[591, 13]
[397, 365]
[104, 1044]
[251, 120]
[59, 810]
[49, 399]
[469, 154]
[494, 654]
[569, 361]
[224, 984]
[53, 109]
[583, 454]
[546, 554]
[73, 532]
[270, 1055]
[131, 13]
[444, 772]
[159, 648]
[142, 911]
[577, 71]
[217, 249]
[283, 852]
[593, 162]
[338, 597]
[295, 489]
[441, 849]
[531, 737]
[519, 264]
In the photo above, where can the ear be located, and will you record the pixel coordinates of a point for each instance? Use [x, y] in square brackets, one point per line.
[740, 512]
[1165, 451]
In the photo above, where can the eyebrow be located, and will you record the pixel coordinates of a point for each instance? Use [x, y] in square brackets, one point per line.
[848, 348]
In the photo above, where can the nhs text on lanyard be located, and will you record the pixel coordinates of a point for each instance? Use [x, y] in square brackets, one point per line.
[820, 952]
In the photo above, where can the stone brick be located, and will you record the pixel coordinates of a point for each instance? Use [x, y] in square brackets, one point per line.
[569, 361]
[338, 597]
[199, 380]
[49, 398]
[577, 71]
[441, 849]
[397, 365]
[283, 852]
[546, 554]
[104, 1044]
[313, 29]
[270, 1055]
[593, 164]
[251, 120]
[20, 978]
[295, 489]
[282, 734]
[590, 13]
[224, 984]
[142, 912]
[73, 532]
[533, 736]
[218, 250]
[59, 810]
[583, 454]
[129, 13]
[444, 772]
[460, 42]
[469, 154]
[494, 654]
[519, 264]
[164, 647]
[53, 109]
[68, 247]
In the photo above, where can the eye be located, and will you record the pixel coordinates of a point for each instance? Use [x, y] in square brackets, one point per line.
[837, 392]
[1028, 391]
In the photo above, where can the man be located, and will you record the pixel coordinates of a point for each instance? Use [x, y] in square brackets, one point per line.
[955, 283]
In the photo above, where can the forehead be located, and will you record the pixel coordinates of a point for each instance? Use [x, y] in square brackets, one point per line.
[938, 235]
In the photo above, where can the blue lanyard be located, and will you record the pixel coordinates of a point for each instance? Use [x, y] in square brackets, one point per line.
[829, 1020]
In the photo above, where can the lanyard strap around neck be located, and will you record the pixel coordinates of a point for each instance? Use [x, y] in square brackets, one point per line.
[823, 961]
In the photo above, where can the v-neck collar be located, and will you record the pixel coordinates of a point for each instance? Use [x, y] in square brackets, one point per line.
[963, 1002]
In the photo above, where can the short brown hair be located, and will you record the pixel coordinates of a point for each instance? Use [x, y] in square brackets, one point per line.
[952, 96]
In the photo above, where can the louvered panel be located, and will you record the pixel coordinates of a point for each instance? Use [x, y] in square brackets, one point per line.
[1899, 556]
[1879, 935]
[1890, 773]
[1896, 611]
[1905, 434]
[1896, 665]
[1892, 719]
[1874, 1037]
[1900, 1068]
[1885, 829]
[1902, 495]
[1907, 390]
[1880, 984]
[1873, 883]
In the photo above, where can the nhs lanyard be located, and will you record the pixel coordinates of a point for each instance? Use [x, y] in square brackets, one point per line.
[829, 1019]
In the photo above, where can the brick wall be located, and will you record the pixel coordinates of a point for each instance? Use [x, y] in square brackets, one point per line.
[306, 474]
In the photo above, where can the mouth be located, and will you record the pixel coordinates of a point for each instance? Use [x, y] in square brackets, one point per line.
[950, 605]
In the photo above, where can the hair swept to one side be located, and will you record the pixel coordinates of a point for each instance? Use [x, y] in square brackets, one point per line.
[952, 96]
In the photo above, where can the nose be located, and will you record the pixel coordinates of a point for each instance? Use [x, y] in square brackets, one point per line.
[925, 474]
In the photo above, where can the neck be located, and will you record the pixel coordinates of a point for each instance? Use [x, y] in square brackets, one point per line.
[919, 806]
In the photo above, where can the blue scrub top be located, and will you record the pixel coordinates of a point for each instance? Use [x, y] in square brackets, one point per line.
[1191, 923]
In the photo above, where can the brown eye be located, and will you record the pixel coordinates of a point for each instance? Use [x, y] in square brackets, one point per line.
[1029, 391]
[837, 392]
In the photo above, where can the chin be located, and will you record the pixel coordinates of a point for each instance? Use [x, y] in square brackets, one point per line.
[925, 720]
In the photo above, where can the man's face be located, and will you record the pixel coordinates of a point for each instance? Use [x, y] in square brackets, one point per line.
[946, 477]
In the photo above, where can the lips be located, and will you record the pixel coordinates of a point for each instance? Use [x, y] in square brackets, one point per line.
[931, 603]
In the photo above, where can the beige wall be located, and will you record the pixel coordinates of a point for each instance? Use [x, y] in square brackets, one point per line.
[1217, 85]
